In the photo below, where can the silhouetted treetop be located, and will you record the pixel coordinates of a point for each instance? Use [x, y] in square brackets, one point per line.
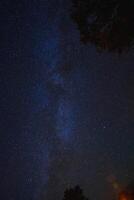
[75, 193]
[109, 24]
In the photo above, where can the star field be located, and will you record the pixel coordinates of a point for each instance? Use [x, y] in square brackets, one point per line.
[67, 111]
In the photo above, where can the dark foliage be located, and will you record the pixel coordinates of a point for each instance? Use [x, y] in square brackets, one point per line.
[109, 24]
[75, 193]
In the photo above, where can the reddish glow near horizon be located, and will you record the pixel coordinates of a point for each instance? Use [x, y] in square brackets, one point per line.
[122, 197]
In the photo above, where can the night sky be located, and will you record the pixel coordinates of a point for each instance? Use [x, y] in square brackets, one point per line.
[66, 110]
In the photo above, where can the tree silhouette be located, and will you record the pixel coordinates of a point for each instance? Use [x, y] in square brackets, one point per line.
[75, 193]
[107, 24]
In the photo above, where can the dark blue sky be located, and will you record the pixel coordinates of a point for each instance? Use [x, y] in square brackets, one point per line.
[66, 111]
